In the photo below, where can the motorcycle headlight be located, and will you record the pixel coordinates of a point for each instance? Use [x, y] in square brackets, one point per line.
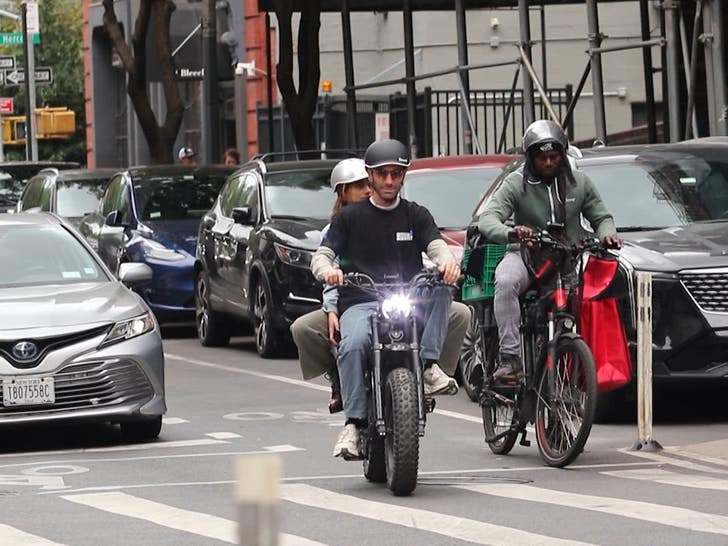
[128, 329]
[293, 256]
[160, 252]
[397, 305]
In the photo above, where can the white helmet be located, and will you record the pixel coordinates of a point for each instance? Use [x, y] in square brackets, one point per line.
[348, 171]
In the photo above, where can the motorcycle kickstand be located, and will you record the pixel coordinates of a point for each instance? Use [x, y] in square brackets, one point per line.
[524, 442]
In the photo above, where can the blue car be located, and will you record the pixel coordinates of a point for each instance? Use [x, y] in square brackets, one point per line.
[151, 215]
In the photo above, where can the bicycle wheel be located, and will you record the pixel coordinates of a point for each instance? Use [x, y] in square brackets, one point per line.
[498, 417]
[565, 410]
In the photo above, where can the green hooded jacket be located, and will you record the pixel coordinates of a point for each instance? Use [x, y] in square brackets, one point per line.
[533, 204]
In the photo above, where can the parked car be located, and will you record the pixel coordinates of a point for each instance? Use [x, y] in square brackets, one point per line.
[15, 174]
[450, 187]
[72, 193]
[76, 345]
[150, 215]
[255, 249]
[670, 204]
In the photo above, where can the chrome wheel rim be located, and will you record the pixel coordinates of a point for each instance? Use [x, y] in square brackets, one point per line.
[259, 312]
[201, 309]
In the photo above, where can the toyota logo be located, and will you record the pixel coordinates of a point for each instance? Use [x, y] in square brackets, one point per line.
[25, 350]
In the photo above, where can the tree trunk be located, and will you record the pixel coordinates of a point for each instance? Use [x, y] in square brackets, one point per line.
[160, 138]
[301, 103]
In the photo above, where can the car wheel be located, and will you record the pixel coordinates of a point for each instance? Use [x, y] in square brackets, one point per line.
[268, 342]
[142, 430]
[213, 329]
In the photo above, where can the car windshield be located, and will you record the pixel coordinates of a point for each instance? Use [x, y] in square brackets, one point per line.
[654, 192]
[77, 198]
[449, 194]
[177, 197]
[33, 255]
[299, 194]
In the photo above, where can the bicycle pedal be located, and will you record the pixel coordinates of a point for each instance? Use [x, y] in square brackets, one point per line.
[430, 404]
[523, 441]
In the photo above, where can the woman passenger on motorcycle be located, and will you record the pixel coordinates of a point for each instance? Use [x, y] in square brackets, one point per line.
[315, 333]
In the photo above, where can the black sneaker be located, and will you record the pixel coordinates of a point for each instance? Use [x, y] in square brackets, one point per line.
[509, 370]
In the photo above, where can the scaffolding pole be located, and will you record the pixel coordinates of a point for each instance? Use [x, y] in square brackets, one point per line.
[409, 68]
[529, 110]
[648, 74]
[462, 36]
[595, 41]
[353, 133]
[672, 34]
[719, 60]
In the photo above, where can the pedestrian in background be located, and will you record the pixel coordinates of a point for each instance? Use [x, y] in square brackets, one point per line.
[231, 157]
[186, 156]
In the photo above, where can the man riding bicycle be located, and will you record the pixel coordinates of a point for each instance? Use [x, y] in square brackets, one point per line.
[397, 233]
[544, 192]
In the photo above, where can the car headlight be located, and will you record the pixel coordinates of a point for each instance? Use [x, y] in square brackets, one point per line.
[397, 305]
[128, 329]
[158, 251]
[293, 256]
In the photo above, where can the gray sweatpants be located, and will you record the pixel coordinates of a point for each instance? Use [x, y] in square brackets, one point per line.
[511, 280]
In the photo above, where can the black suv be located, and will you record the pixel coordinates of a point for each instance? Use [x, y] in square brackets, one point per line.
[254, 251]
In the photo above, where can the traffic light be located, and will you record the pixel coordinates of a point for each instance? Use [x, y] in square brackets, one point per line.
[51, 123]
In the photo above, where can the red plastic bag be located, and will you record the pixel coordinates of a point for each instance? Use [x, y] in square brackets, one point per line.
[601, 326]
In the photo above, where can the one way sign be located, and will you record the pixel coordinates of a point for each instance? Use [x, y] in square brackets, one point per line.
[16, 76]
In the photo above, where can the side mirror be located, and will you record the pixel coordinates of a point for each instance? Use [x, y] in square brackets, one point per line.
[133, 273]
[115, 219]
[243, 216]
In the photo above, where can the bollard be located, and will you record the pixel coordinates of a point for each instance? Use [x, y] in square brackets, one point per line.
[644, 442]
[257, 495]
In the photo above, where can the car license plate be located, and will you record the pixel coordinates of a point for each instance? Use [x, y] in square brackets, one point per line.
[28, 391]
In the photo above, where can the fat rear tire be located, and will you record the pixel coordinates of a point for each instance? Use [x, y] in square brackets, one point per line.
[213, 329]
[402, 441]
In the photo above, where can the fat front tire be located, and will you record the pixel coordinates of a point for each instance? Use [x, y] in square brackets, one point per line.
[213, 329]
[565, 409]
[402, 441]
[141, 431]
[472, 362]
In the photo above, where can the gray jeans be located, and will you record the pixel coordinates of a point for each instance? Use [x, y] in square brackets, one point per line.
[511, 280]
[356, 340]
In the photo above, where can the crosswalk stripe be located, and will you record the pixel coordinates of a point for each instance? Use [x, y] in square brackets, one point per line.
[683, 518]
[456, 527]
[180, 519]
[662, 459]
[666, 477]
[10, 536]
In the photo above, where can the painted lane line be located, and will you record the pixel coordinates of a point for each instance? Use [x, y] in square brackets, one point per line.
[131, 447]
[179, 519]
[469, 530]
[15, 537]
[461, 416]
[662, 459]
[281, 378]
[223, 435]
[283, 448]
[671, 478]
[672, 516]
[173, 421]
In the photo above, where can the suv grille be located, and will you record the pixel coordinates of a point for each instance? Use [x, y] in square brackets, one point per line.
[92, 385]
[709, 289]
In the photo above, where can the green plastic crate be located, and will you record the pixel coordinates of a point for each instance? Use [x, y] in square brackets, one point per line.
[481, 286]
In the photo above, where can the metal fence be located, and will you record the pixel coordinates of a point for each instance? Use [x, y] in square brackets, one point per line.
[498, 116]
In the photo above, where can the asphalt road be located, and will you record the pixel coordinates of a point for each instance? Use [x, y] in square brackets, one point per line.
[83, 486]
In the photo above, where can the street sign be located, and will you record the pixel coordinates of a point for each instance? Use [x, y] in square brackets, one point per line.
[7, 61]
[16, 38]
[16, 76]
[7, 106]
[31, 17]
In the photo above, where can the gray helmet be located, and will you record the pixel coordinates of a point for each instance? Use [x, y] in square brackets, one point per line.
[347, 171]
[387, 152]
[541, 133]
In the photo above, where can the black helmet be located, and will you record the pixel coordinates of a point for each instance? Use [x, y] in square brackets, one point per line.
[387, 152]
[543, 133]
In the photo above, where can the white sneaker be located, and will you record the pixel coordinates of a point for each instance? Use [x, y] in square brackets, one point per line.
[347, 445]
[438, 382]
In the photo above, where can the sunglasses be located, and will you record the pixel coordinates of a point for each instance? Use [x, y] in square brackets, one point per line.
[396, 174]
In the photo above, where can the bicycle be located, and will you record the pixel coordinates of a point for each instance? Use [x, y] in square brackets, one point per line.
[558, 392]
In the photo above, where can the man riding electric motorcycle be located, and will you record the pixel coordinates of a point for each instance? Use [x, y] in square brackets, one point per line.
[544, 193]
[398, 232]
